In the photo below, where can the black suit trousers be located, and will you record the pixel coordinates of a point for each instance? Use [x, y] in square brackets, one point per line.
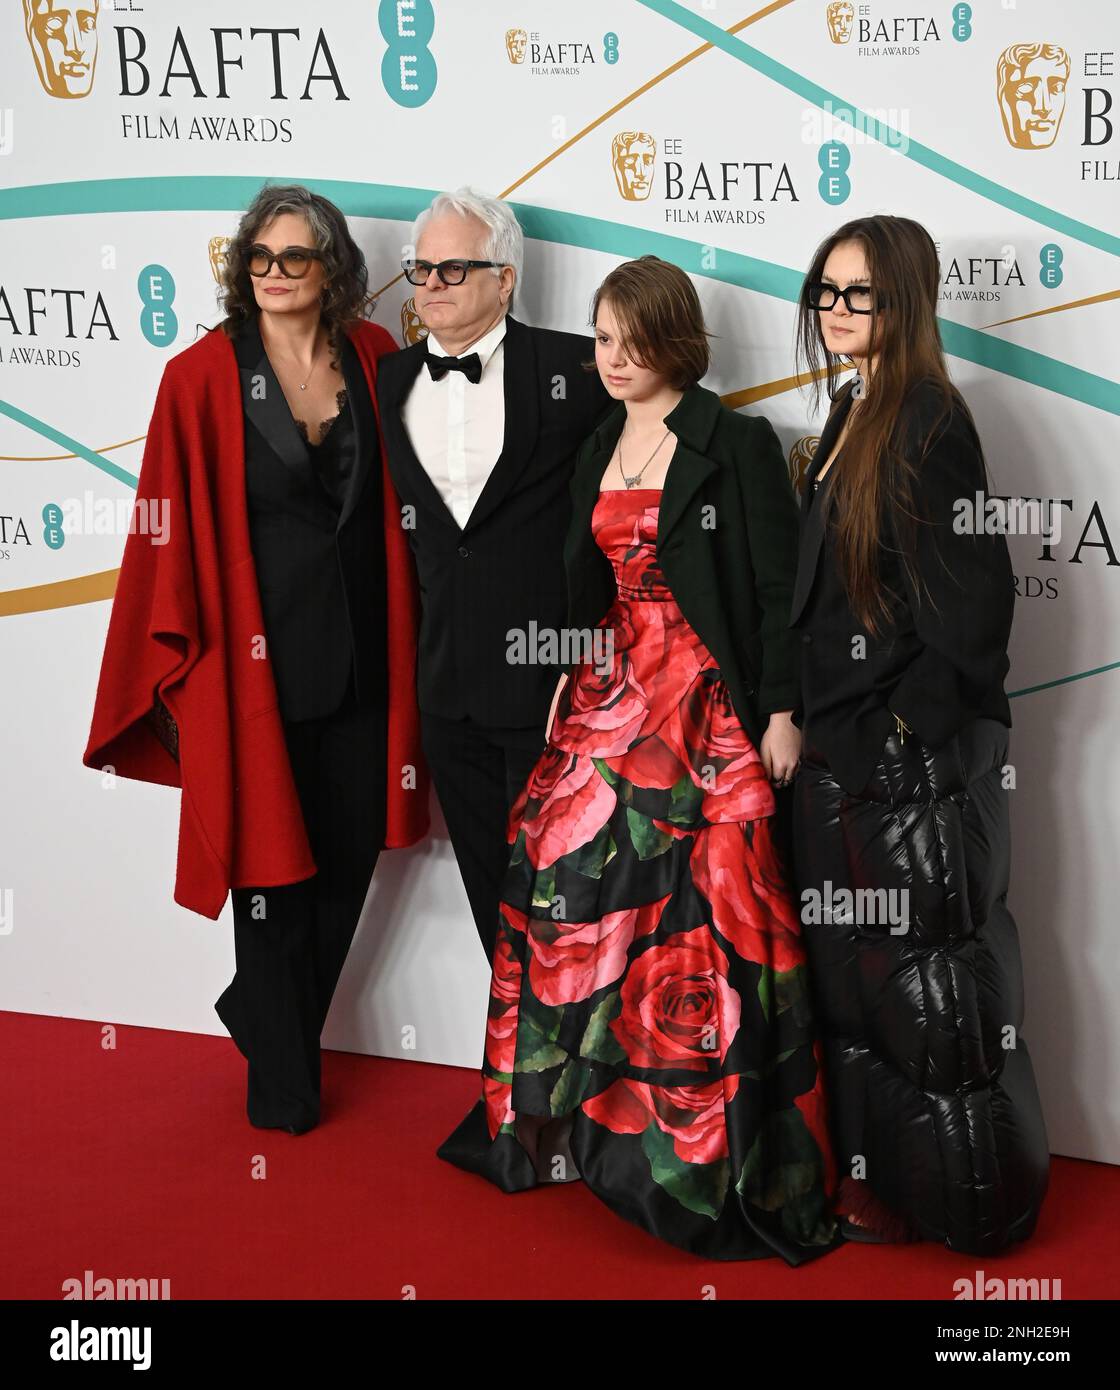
[291, 941]
[478, 774]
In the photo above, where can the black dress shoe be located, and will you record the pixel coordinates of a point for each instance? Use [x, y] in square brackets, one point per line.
[288, 1128]
[850, 1231]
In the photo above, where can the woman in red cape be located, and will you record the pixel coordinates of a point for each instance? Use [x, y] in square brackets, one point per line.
[263, 658]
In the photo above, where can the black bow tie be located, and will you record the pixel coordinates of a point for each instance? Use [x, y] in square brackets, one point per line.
[470, 366]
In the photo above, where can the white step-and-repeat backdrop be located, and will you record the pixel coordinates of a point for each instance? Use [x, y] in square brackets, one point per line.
[726, 137]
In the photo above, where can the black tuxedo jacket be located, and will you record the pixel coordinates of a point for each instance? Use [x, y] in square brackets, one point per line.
[942, 658]
[484, 584]
[320, 559]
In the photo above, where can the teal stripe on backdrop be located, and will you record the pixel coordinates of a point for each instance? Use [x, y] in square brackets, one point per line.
[780, 282]
[1063, 680]
[202, 193]
[921, 154]
[71, 446]
[386, 201]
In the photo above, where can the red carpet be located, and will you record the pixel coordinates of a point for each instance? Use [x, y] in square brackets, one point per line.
[138, 1163]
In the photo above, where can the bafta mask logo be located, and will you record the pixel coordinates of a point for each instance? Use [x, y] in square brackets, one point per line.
[412, 325]
[633, 154]
[63, 39]
[800, 457]
[1031, 83]
[217, 248]
[516, 39]
[840, 15]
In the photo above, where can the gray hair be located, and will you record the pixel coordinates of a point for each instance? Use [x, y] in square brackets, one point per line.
[276, 199]
[504, 243]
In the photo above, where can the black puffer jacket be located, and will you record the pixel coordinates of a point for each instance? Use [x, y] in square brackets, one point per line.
[929, 1076]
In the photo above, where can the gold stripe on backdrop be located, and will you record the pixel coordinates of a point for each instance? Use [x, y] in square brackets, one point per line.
[63, 593]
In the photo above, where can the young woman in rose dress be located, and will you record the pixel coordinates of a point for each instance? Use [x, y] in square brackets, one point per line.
[649, 1027]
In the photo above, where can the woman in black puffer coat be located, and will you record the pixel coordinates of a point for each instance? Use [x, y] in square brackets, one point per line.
[901, 836]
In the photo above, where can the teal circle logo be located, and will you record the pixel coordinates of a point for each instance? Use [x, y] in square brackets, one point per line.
[53, 534]
[1050, 265]
[408, 70]
[158, 321]
[833, 159]
[610, 48]
[962, 23]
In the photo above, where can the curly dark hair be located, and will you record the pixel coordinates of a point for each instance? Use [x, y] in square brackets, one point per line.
[346, 279]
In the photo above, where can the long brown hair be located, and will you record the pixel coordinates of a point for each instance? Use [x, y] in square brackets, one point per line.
[345, 276]
[906, 345]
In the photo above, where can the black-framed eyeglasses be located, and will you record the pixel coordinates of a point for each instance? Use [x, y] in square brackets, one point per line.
[295, 261]
[452, 272]
[860, 299]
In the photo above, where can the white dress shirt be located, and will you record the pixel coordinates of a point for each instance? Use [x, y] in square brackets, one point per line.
[457, 427]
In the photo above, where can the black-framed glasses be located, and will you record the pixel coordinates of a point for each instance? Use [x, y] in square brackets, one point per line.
[860, 299]
[295, 261]
[452, 272]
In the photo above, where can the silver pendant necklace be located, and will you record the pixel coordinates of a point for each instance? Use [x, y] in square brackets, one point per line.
[637, 477]
[314, 362]
[303, 385]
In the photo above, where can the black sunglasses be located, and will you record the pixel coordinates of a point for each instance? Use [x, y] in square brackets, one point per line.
[295, 261]
[860, 299]
[450, 272]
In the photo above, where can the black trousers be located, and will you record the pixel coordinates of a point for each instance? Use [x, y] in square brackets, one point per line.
[291, 942]
[478, 774]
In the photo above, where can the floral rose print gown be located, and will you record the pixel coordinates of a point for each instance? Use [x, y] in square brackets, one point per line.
[649, 975]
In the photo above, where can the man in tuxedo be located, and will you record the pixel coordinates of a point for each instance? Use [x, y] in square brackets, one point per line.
[481, 422]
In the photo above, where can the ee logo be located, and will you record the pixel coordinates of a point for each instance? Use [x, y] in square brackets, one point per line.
[833, 160]
[53, 533]
[158, 321]
[408, 70]
[1050, 263]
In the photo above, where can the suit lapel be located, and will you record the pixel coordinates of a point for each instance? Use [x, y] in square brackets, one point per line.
[522, 419]
[264, 403]
[365, 424]
[590, 574]
[588, 477]
[687, 471]
[412, 481]
[814, 515]
[693, 421]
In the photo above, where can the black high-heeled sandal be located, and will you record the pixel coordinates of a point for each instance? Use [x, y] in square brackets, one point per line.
[886, 1227]
[552, 1143]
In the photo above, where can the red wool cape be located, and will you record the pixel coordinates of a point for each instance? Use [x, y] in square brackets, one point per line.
[183, 626]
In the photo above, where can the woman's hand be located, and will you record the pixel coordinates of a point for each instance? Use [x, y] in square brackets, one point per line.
[552, 710]
[780, 749]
